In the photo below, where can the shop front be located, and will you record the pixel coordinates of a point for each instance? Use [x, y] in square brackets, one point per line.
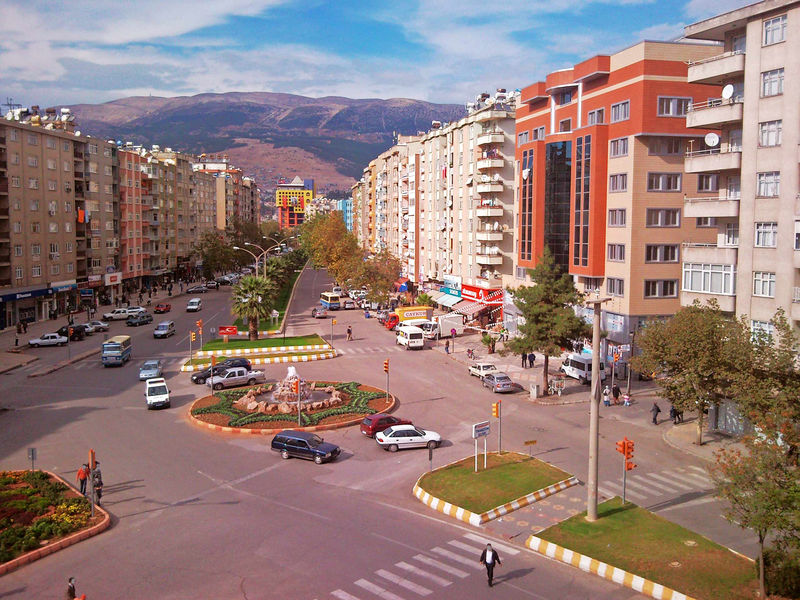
[483, 304]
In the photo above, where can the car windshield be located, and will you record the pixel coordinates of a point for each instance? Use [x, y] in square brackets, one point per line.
[503, 379]
[157, 390]
[150, 365]
[314, 441]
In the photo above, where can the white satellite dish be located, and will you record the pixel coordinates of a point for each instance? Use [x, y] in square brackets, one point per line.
[711, 139]
[727, 92]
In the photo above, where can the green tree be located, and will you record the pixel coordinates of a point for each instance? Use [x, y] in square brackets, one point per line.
[216, 253]
[691, 356]
[424, 300]
[548, 310]
[378, 276]
[253, 300]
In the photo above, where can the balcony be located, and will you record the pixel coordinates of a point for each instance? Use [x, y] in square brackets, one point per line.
[489, 259]
[711, 206]
[796, 259]
[713, 160]
[489, 282]
[714, 113]
[489, 187]
[726, 303]
[490, 236]
[708, 253]
[489, 211]
[490, 163]
[491, 137]
[717, 69]
[489, 115]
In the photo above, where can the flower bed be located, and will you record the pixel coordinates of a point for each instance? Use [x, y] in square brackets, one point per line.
[36, 510]
[361, 400]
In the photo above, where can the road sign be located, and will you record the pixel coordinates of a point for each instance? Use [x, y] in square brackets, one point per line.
[212, 330]
[624, 347]
[228, 330]
[480, 429]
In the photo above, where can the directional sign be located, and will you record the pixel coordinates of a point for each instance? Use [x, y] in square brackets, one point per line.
[480, 429]
[228, 330]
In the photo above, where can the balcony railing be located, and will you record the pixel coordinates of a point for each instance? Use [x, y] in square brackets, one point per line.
[710, 59]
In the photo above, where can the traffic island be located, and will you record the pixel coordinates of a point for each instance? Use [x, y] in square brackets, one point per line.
[509, 482]
[642, 551]
[262, 351]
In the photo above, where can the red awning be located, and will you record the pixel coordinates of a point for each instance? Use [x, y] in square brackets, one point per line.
[468, 308]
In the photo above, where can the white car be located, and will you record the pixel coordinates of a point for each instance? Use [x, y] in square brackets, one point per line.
[337, 289]
[98, 325]
[121, 314]
[156, 392]
[88, 328]
[482, 368]
[48, 339]
[194, 305]
[398, 437]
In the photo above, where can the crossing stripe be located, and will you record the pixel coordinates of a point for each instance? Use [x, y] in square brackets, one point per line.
[422, 573]
[403, 582]
[440, 565]
[646, 479]
[343, 595]
[671, 481]
[463, 546]
[377, 590]
[695, 477]
[699, 469]
[470, 562]
[501, 547]
[628, 491]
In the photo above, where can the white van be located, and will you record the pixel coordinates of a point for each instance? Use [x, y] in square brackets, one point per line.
[411, 337]
[579, 366]
[194, 305]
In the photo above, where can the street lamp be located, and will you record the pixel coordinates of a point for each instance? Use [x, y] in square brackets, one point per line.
[594, 413]
[251, 254]
[264, 252]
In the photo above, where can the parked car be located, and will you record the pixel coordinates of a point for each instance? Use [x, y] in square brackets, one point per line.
[194, 305]
[149, 369]
[482, 368]
[88, 328]
[381, 315]
[224, 280]
[235, 376]
[212, 284]
[407, 436]
[118, 314]
[348, 304]
[48, 339]
[246, 270]
[162, 308]
[197, 289]
[319, 312]
[99, 325]
[337, 289]
[378, 422]
[498, 382]
[164, 329]
[201, 376]
[78, 332]
[156, 393]
[136, 320]
[304, 444]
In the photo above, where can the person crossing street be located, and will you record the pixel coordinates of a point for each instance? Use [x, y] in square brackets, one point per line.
[490, 557]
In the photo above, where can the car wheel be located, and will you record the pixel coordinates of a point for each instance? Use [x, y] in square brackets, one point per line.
[318, 459]
[217, 386]
[251, 381]
[393, 448]
[583, 381]
[169, 405]
[284, 454]
[35, 345]
[431, 444]
[201, 380]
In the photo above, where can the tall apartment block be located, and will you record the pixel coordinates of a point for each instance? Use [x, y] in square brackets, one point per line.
[291, 199]
[601, 178]
[752, 266]
[237, 197]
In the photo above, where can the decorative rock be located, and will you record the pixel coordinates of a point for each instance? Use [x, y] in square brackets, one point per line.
[262, 407]
[330, 389]
[251, 406]
[271, 408]
[284, 408]
[335, 395]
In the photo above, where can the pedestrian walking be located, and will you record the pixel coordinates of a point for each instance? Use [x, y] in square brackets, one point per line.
[673, 414]
[531, 359]
[16, 340]
[680, 415]
[524, 360]
[626, 399]
[447, 346]
[349, 333]
[82, 476]
[654, 411]
[24, 326]
[606, 394]
[70, 593]
[489, 558]
[97, 483]
[615, 391]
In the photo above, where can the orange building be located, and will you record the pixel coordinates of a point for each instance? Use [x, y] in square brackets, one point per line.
[601, 181]
[291, 200]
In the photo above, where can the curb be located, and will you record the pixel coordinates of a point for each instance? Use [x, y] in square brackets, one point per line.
[65, 363]
[268, 361]
[282, 327]
[596, 567]
[681, 448]
[270, 350]
[17, 366]
[74, 538]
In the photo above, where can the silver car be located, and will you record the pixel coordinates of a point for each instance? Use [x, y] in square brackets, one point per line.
[150, 369]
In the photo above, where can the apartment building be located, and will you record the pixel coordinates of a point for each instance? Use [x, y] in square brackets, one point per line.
[601, 179]
[237, 197]
[752, 266]
[135, 210]
[291, 199]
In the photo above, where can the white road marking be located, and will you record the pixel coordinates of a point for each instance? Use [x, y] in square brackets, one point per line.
[377, 590]
[646, 479]
[628, 491]
[403, 582]
[697, 502]
[441, 566]
[343, 595]
[470, 562]
[501, 547]
[422, 573]
[670, 481]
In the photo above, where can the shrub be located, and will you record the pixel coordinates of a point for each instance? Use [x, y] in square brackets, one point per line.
[782, 573]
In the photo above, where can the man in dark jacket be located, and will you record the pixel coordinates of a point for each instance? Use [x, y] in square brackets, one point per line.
[489, 558]
[654, 411]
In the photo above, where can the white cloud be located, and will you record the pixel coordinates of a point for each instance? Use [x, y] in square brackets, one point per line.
[661, 32]
[704, 9]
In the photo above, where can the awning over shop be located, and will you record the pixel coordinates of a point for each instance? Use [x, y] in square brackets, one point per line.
[448, 300]
[435, 295]
[401, 285]
[469, 308]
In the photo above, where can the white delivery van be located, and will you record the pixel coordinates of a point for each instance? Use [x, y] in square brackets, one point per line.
[411, 337]
[443, 325]
[579, 366]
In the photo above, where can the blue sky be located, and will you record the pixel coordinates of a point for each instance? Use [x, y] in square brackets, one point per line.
[61, 53]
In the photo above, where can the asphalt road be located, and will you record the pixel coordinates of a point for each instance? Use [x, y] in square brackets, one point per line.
[200, 515]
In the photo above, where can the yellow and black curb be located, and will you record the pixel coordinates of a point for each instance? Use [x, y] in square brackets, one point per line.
[270, 350]
[273, 360]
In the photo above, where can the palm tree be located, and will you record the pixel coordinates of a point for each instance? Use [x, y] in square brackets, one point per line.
[253, 299]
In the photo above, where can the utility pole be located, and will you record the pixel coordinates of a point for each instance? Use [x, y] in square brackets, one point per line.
[594, 413]
[633, 340]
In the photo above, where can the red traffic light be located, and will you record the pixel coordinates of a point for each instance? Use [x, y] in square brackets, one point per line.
[386, 366]
[621, 446]
[296, 386]
[199, 322]
[628, 448]
[629, 466]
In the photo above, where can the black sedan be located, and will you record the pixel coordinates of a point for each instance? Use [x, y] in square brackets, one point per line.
[140, 319]
[201, 376]
[197, 289]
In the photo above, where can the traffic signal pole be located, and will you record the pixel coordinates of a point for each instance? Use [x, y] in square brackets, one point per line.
[386, 369]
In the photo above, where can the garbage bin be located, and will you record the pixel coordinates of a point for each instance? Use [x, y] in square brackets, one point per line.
[534, 390]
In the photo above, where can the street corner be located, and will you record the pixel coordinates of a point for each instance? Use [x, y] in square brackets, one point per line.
[446, 508]
[13, 359]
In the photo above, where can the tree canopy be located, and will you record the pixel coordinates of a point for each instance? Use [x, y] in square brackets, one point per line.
[253, 299]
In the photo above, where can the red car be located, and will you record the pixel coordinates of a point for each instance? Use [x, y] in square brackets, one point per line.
[162, 308]
[376, 423]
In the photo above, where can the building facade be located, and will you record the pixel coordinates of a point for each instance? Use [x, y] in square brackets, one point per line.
[291, 199]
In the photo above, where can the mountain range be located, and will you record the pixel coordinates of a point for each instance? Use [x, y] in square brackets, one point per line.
[269, 135]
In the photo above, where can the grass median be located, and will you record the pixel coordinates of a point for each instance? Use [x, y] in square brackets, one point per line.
[281, 304]
[271, 342]
[508, 476]
[640, 542]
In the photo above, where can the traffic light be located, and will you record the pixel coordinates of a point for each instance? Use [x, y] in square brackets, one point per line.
[296, 386]
[199, 322]
[628, 448]
[629, 466]
[496, 409]
[333, 322]
[621, 446]
[200, 331]
[71, 331]
[194, 337]
[386, 366]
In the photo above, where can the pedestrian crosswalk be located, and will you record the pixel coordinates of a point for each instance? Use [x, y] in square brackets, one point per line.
[346, 348]
[644, 488]
[425, 573]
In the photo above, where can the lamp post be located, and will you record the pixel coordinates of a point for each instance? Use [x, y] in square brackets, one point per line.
[633, 340]
[594, 413]
[251, 254]
[264, 252]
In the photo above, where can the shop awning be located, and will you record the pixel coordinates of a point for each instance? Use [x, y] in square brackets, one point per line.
[435, 295]
[448, 300]
[401, 285]
[469, 308]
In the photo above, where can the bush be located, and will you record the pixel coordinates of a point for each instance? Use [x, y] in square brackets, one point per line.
[782, 573]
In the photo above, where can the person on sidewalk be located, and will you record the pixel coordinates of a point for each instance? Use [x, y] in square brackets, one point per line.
[70, 593]
[489, 558]
[654, 411]
[24, 326]
[524, 360]
[615, 391]
[673, 414]
[349, 333]
[531, 359]
[82, 476]
[97, 482]
[606, 394]
[447, 346]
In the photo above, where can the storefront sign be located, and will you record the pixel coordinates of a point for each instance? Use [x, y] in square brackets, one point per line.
[95, 280]
[113, 278]
[28, 294]
[491, 296]
[87, 293]
[451, 285]
[65, 288]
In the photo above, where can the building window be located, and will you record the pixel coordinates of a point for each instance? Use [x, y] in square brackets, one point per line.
[53, 227]
[706, 222]
[709, 278]
[36, 227]
[617, 217]
[762, 329]
[34, 205]
[673, 107]
[764, 284]
[618, 147]
[538, 133]
[51, 143]
[17, 249]
[19, 272]
[53, 247]
[661, 253]
[769, 184]
[661, 288]
[771, 83]
[36, 271]
[52, 185]
[51, 164]
[522, 138]
[616, 252]
[731, 234]
[766, 235]
[107, 170]
[67, 247]
[618, 182]
[565, 125]
[33, 139]
[774, 30]
[68, 227]
[15, 182]
[663, 217]
[564, 97]
[55, 269]
[770, 133]
[92, 149]
[615, 286]
[17, 227]
[70, 267]
[663, 182]
[708, 183]
[33, 183]
[596, 117]
[620, 111]
[33, 161]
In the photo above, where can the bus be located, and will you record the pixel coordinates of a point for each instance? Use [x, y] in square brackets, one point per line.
[329, 300]
[117, 350]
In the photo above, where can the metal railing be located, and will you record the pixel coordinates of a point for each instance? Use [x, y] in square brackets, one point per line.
[710, 59]
[714, 102]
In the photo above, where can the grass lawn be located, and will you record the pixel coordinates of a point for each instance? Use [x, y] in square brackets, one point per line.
[509, 476]
[280, 305]
[221, 357]
[271, 342]
[640, 542]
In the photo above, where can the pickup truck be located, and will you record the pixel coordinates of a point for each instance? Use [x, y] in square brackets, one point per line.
[236, 376]
[122, 314]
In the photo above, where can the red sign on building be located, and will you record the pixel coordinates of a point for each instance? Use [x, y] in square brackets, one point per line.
[228, 330]
[489, 296]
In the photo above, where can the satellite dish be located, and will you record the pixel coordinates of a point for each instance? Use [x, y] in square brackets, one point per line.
[727, 92]
[711, 139]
